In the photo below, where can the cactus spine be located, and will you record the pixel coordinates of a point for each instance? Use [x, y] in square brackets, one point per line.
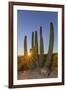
[25, 45]
[51, 44]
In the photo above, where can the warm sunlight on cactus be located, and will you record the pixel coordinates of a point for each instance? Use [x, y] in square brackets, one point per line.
[29, 54]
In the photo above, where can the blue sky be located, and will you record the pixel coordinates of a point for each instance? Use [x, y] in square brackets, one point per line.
[29, 21]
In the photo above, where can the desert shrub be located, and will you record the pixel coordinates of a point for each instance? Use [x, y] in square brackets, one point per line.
[54, 61]
[19, 65]
[31, 64]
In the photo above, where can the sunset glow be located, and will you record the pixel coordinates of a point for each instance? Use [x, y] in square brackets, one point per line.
[29, 54]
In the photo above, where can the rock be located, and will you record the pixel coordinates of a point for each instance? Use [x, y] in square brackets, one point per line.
[45, 73]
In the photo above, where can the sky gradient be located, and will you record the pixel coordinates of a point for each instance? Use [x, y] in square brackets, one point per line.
[29, 21]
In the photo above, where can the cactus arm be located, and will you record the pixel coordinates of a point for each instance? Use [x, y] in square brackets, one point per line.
[51, 44]
[32, 40]
[25, 45]
[41, 42]
[36, 42]
[41, 60]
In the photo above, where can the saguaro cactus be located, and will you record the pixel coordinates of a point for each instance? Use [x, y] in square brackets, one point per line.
[51, 44]
[25, 45]
[32, 40]
[41, 42]
[41, 61]
[36, 42]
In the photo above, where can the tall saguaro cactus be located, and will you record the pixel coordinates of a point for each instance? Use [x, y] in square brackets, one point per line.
[32, 40]
[25, 45]
[41, 42]
[51, 44]
[36, 42]
[41, 61]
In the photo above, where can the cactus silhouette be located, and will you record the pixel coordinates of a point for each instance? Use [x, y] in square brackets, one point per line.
[25, 45]
[51, 44]
[36, 42]
[41, 61]
[32, 40]
[41, 42]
